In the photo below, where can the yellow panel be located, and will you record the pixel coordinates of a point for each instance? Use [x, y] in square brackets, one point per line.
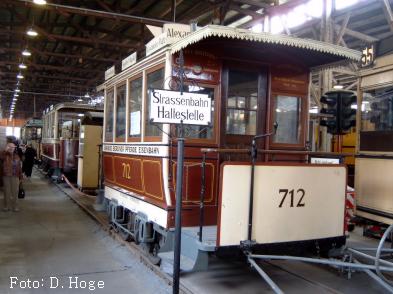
[373, 183]
[88, 166]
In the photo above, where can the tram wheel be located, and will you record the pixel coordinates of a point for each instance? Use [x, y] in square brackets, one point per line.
[153, 254]
[136, 235]
[123, 234]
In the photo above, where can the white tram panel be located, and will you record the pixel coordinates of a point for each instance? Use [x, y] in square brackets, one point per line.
[154, 213]
[315, 212]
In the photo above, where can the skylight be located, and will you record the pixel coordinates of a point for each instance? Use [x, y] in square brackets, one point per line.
[298, 15]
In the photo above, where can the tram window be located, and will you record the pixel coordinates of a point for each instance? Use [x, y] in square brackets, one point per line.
[377, 110]
[121, 113]
[68, 127]
[201, 132]
[242, 103]
[287, 113]
[109, 116]
[135, 107]
[155, 80]
[51, 127]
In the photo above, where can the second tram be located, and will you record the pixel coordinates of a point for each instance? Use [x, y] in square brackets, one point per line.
[31, 133]
[374, 160]
[60, 137]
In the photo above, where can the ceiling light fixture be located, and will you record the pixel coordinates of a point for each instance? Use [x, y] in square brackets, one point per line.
[17, 90]
[80, 99]
[338, 86]
[32, 33]
[40, 2]
[87, 95]
[20, 76]
[16, 95]
[26, 52]
[22, 66]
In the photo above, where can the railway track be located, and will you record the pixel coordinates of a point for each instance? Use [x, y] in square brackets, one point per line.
[297, 277]
[102, 220]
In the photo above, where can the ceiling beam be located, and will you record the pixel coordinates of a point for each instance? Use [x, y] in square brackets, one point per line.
[93, 42]
[387, 9]
[357, 35]
[76, 56]
[344, 25]
[90, 12]
[54, 67]
[53, 77]
[253, 3]
[244, 11]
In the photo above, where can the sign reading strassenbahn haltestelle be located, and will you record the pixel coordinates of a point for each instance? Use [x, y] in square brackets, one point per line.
[174, 107]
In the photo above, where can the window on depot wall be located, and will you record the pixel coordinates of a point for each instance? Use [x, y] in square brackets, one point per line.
[121, 113]
[135, 107]
[109, 116]
[287, 114]
[155, 80]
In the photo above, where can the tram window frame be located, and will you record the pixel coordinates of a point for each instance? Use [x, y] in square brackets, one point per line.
[261, 71]
[44, 126]
[51, 125]
[146, 103]
[302, 121]
[135, 138]
[106, 139]
[115, 112]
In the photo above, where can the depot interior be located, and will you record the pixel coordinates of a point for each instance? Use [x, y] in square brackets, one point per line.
[75, 84]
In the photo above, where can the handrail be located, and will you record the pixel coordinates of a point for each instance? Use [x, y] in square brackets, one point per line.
[202, 196]
[224, 150]
[274, 151]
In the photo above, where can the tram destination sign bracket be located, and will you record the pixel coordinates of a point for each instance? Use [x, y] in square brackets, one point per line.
[173, 107]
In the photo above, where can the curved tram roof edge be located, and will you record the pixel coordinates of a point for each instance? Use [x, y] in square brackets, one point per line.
[247, 35]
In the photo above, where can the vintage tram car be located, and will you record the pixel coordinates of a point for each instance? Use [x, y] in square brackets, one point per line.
[60, 137]
[31, 133]
[253, 80]
[374, 160]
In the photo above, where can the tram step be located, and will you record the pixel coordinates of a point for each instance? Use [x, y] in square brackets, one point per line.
[186, 263]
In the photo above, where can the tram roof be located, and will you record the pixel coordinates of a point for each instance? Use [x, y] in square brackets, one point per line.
[33, 122]
[318, 53]
[70, 105]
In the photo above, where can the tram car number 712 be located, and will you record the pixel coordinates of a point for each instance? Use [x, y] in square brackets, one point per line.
[253, 80]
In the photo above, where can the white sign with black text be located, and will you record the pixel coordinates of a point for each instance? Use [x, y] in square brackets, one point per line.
[170, 34]
[110, 72]
[174, 108]
[324, 160]
[128, 61]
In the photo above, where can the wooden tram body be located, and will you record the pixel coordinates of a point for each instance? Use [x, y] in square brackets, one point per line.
[31, 133]
[254, 80]
[60, 138]
[374, 160]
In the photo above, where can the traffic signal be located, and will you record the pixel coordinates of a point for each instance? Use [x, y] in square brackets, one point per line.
[347, 114]
[331, 110]
[340, 116]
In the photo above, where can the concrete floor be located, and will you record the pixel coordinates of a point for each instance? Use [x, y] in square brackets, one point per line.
[52, 237]
[236, 277]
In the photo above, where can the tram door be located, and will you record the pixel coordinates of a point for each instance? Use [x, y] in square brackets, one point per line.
[244, 104]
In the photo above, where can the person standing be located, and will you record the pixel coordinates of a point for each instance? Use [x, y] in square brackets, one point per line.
[12, 174]
[28, 161]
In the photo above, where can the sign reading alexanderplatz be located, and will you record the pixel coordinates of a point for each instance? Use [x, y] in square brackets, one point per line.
[174, 107]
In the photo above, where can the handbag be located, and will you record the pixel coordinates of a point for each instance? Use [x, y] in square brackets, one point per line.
[21, 192]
